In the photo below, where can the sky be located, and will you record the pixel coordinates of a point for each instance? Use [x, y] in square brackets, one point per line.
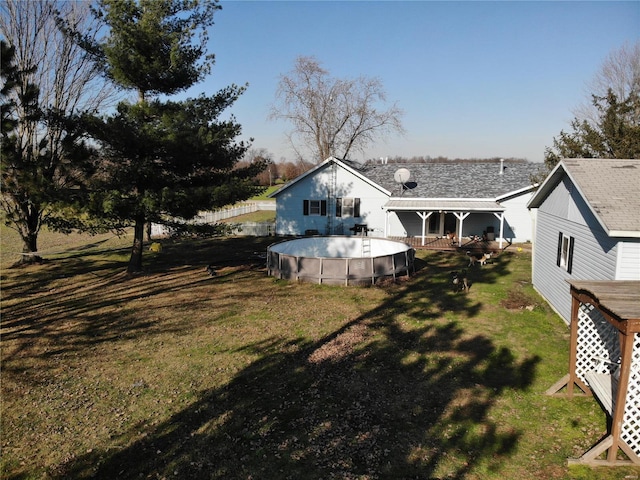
[473, 79]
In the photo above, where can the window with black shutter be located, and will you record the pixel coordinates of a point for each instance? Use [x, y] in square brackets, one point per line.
[347, 207]
[564, 257]
[314, 207]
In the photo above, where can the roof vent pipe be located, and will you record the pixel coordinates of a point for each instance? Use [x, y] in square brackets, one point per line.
[501, 166]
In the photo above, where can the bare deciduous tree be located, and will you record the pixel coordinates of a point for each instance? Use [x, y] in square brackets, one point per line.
[620, 73]
[333, 116]
[38, 169]
[269, 174]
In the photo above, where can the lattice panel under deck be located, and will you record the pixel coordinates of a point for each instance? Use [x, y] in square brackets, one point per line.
[598, 350]
[598, 347]
[631, 421]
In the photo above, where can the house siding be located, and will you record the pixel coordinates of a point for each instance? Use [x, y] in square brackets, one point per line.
[595, 254]
[290, 219]
[628, 260]
[350, 181]
[518, 223]
[477, 223]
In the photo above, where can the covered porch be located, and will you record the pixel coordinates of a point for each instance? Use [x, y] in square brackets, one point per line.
[432, 214]
[445, 244]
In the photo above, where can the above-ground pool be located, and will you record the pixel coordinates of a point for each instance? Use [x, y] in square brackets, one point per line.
[340, 260]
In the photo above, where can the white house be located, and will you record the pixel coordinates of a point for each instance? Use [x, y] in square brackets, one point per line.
[587, 226]
[340, 197]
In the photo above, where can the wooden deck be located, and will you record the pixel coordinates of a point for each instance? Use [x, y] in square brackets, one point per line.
[444, 244]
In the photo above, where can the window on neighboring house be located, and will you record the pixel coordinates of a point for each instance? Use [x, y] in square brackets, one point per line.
[314, 207]
[565, 252]
[347, 207]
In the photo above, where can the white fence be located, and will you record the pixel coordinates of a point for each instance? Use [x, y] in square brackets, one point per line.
[235, 211]
[258, 229]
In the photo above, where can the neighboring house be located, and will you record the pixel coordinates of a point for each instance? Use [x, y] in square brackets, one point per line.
[338, 196]
[587, 226]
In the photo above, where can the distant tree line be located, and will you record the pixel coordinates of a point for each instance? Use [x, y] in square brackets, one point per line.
[441, 159]
[275, 172]
[284, 170]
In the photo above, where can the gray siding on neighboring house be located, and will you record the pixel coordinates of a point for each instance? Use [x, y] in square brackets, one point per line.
[594, 253]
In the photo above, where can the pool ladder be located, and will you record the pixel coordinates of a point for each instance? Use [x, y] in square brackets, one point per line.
[366, 247]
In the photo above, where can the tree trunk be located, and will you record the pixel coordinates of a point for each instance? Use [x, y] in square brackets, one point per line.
[30, 249]
[28, 226]
[135, 262]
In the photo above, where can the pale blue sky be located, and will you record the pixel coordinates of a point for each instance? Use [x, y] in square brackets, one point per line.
[474, 79]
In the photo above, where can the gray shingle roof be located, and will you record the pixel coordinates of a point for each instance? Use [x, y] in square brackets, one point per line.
[454, 180]
[612, 189]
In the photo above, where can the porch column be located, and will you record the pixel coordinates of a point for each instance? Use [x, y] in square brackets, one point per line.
[500, 216]
[461, 216]
[424, 216]
[386, 223]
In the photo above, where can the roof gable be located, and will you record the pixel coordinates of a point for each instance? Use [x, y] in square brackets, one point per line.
[610, 188]
[345, 164]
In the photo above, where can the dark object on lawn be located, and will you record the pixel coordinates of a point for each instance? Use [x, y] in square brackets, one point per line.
[460, 281]
[210, 270]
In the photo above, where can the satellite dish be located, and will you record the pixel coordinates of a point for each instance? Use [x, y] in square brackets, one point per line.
[401, 175]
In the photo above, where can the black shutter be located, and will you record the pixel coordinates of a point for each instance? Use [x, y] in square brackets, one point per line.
[356, 207]
[338, 207]
[570, 255]
[559, 257]
[305, 207]
[323, 208]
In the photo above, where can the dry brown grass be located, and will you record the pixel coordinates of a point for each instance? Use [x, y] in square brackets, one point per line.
[177, 374]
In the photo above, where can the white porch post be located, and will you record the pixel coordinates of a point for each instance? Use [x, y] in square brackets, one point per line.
[386, 223]
[424, 216]
[500, 216]
[461, 216]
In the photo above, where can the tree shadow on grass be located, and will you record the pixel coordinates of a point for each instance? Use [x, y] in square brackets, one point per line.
[392, 394]
[49, 313]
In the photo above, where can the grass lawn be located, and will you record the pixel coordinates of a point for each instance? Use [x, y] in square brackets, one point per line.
[265, 195]
[177, 374]
[259, 216]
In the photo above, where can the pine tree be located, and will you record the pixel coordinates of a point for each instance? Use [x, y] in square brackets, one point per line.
[162, 158]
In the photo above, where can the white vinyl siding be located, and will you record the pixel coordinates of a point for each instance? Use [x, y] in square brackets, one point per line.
[290, 217]
[518, 224]
[628, 260]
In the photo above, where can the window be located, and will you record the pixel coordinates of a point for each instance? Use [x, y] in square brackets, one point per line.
[314, 207]
[565, 252]
[347, 207]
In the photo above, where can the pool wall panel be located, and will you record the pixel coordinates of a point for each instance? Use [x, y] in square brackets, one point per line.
[365, 270]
